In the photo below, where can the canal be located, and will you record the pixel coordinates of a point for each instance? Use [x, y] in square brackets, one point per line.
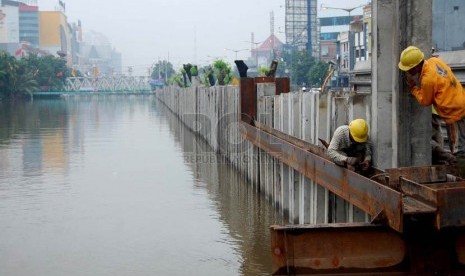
[115, 185]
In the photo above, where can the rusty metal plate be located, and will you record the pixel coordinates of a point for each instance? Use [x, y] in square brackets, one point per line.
[368, 195]
[422, 174]
[282, 85]
[336, 249]
[264, 80]
[448, 200]
[413, 206]
[248, 100]
[451, 206]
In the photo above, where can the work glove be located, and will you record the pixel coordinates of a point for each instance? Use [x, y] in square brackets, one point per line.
[366, 165]
[352, 161]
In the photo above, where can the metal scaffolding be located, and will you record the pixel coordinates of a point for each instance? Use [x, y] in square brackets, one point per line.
[302, 25]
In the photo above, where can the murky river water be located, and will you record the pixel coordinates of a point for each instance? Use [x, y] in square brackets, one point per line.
[100, 186]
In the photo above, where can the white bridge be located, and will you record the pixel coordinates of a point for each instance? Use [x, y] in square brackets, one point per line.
[108, 84]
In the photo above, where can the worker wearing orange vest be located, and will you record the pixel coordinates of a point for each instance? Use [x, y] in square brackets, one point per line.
[432, 82]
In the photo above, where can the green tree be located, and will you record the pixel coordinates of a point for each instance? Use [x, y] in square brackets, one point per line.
[176, 79]
[16, 77]
[301, 64]
[263, 71]
[296, 64]
[24, 81]
[317, 74]
[223, 72]
[162, 70]
[8, 65]
[49, 71]
[194, 71]
[207, 76]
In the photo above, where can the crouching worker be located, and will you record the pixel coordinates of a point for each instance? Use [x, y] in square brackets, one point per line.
[350, 147]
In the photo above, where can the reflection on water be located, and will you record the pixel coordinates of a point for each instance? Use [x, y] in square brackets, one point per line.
[246, 214]
[107, 186]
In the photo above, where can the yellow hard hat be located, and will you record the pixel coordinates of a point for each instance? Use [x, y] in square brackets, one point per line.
[359, 130]
[410, 57]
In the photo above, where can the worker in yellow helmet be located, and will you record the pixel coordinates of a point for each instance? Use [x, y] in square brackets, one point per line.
[432, 82]
[350, 146]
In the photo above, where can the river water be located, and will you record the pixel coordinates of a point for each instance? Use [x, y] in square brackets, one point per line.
[101, 185]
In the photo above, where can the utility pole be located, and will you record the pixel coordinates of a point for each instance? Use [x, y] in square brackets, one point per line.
[166, 68]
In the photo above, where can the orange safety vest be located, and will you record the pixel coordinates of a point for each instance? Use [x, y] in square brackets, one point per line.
[440, 87]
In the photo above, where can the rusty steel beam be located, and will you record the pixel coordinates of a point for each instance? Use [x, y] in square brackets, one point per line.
[291, 139]
[432, 186]
[368, 195]
[448, 197]
[366, 249]
[423, 174]
[336, 249]
[248, 98]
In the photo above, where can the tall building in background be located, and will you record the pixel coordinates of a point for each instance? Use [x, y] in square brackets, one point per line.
[20, 27]
[25, 30]
[268, 51]
[76, 40]
[362, 35]
[97, 56]
[56, 34]
[9, 28]
[301, 25]
[337, 40]
[29, 25]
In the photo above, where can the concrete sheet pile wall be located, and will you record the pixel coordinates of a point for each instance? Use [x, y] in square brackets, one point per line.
[213, 113]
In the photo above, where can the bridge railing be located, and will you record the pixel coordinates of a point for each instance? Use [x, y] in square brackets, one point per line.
[111, 84]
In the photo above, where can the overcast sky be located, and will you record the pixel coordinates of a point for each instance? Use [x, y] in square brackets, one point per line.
[195, 31]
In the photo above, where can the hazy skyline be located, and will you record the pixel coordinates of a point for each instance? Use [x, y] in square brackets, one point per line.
[183, 31]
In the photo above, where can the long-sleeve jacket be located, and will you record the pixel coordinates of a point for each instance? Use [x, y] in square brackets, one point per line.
[438, 86]
[341, 147]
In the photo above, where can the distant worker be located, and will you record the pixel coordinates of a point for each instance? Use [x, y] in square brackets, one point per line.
[304, 89]
[350, 146]
[432, 82]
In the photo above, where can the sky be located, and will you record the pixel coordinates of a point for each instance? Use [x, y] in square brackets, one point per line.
[181, 31]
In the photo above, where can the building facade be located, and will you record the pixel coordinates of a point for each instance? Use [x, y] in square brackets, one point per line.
[56, 34]
[97, 56]
[361, 28]
[337, 40]
[29, 25]
[19, 27]
[9, 29]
